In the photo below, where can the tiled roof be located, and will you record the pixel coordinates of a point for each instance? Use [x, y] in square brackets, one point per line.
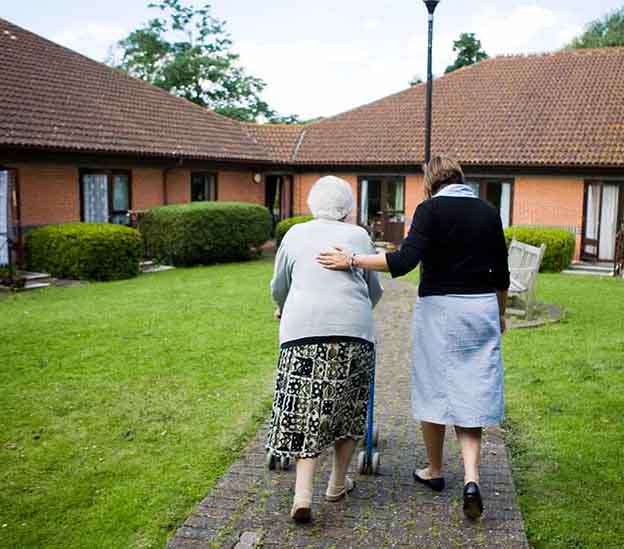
[559, 109]
[279, 140]
[53, 97]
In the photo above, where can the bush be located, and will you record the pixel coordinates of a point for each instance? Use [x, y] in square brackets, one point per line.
[201, 233]
[560, 245]
[90, 251]
[284, 226]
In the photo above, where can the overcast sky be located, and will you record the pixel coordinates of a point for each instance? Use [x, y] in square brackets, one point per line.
[321, 57]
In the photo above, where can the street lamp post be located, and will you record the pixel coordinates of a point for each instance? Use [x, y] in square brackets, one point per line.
[431, 6]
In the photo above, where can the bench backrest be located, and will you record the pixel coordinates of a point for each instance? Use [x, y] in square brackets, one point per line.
[524, 262]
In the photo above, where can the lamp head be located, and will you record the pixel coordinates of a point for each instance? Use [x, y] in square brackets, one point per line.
[431, 5]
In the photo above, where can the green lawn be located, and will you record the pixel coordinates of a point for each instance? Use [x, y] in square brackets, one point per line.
[565, 409]
[122, 402]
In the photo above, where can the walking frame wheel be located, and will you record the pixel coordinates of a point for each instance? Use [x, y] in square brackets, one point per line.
[270, 460]
[366, 466]
[274, 462]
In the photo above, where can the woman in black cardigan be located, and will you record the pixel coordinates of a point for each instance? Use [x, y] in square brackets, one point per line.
[457, 372]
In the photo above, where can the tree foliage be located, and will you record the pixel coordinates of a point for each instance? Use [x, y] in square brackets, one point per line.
[469, 51]
[602, 33]
[188, 52]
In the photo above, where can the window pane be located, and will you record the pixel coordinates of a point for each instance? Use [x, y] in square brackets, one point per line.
[396, 196]
[95, 198]
[121, 193]
[475, 187]
[202, 187]
[197, 188]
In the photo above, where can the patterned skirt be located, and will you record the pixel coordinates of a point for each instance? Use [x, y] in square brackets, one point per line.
[321, 394]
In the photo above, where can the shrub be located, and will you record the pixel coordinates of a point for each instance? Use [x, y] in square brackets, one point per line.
[91, 251]
[284, 226]
[201, 233]
[560, 244]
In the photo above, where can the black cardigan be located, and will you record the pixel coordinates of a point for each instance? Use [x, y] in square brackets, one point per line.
[461, 244]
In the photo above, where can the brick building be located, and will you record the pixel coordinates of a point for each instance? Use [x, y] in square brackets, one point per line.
[541, 137]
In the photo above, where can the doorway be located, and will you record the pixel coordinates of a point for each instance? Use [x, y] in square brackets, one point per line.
[381, 207]
[11, 252]
[603, 212]
[278, 190]
[4, 218]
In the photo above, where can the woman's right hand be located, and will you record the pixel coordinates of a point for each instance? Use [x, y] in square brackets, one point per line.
[338, 259]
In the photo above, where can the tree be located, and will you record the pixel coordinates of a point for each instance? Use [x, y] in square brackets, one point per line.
[415, 81]
[468, 50]
[188, 53]
[602, 33]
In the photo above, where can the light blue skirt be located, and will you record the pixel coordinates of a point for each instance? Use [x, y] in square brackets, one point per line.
[457, 370]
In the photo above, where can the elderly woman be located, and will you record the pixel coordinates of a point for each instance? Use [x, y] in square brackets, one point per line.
[327, 341]
[457, 373]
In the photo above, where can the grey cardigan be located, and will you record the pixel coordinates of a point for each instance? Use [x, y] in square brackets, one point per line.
[315, 301]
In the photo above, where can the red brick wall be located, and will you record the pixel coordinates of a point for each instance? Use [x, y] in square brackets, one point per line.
[48, 194]
[414, 195]
[178, 186]
[147, 188]
[549, 200]
[239, 187]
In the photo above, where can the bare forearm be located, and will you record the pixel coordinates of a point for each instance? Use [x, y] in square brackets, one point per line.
[372, 262]
[502, 302]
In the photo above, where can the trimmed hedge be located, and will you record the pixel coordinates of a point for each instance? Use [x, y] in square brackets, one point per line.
[201, 233]
[284, 226]
[88, 251]
[560, 245]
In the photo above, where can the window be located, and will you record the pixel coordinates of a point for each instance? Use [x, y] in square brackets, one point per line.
[105, 196]
[203, 186]
[498, 192]
[382, 206]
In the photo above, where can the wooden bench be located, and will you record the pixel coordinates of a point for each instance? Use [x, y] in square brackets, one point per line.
[524, 264]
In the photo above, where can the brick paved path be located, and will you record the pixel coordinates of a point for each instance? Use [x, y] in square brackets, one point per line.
[249, 506]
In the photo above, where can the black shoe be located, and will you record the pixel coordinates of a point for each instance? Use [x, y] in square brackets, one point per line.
[473, 504]
[436, 484]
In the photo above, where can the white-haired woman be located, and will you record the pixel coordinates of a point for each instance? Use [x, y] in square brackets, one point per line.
[327, 344]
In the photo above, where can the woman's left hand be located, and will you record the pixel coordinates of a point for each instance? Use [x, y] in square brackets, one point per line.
[338, 259]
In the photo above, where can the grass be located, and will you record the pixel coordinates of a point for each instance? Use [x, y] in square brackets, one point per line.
[122, 402]
[565, 410]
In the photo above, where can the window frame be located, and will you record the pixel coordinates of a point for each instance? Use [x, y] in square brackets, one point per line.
[484, 181]
[215, 184]
[109, 188]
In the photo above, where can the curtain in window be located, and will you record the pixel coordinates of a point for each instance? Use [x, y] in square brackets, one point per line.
[95, 195]
[608, 222]
[505, 204]
[364, 202]
[4, 218]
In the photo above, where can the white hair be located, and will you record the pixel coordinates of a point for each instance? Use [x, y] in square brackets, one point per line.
[331, 198]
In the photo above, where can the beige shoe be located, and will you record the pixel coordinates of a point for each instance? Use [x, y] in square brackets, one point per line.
[301, 511]
[336, 493]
